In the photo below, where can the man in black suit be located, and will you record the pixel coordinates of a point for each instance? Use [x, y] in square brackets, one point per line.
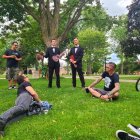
[76, 55]
[52, 54]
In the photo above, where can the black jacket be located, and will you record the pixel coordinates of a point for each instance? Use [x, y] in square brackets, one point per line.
[78, 55]
[49, 54]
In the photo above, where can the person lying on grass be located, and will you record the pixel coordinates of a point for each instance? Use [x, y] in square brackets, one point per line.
[111, 84]
[25, 95]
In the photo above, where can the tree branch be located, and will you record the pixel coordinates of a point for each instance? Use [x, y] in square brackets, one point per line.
[30, 10]
[72, 21]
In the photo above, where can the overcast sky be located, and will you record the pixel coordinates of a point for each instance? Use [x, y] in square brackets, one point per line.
[116, 7]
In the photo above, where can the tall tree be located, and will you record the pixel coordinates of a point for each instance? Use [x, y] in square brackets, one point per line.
[47, 13]
[95, 46]
[119, 35]
[96, 17]
[132, 47]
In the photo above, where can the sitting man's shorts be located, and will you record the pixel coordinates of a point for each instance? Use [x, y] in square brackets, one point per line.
[12, 73]
[101, 91]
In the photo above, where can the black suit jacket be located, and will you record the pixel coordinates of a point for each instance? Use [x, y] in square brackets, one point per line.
[77, 56]
[49, 54]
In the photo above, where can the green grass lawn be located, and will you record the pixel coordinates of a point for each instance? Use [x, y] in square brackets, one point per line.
[75, 114]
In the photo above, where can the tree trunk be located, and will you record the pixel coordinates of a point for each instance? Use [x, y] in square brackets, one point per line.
[89, 68]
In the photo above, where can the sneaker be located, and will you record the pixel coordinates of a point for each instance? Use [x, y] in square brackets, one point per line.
[134, 128]
[87, 90]
[122, 135]
[2, 124]
[10, 87]
[14, 87]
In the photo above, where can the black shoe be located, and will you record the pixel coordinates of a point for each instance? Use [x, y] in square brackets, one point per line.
[87, 90]
[58, 87]
[2, 124]
[122, 135]
[14, 87]
[49, 86]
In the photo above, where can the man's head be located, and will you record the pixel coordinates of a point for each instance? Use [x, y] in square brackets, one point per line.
[76, 41]
[53, 43]
[14, 45]
[21, 78]
[110, 66]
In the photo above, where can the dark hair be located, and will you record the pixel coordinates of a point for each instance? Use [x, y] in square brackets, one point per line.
[20, 79]
[53, 39]
[14, 42]
[112, 64]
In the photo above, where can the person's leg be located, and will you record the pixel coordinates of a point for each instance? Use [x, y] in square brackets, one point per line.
[73, 75]
[95, 92]
[9, 77]
[57, 71]
[115, 96]
[81, 76]
[51, 70]
[15, 74]
[22, 105]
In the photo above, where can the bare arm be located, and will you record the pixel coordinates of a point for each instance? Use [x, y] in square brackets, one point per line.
[18, 59]
[96, 82]
[6, 56]
[33, 93]
[115, 89]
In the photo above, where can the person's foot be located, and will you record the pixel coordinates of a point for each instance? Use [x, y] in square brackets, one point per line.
[10, 87]
[87, 90]
[122, 135]
[14, 87]
[49, 86]
[2, 124]
[134, 128]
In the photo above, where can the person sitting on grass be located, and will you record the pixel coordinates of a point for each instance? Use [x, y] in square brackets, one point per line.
[25, 95]
[111, 85]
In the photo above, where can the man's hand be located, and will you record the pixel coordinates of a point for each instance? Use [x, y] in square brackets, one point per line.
[71, 60]
[18, 59]
[12, 56]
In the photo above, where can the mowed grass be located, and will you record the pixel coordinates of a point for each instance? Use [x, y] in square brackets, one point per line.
[75, 114]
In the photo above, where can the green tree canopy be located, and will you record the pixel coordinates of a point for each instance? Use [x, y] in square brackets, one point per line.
[49, 14]
[95, 45]
[132, 47]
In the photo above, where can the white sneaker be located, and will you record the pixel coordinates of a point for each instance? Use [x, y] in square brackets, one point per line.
[10, 87]
[122, 135]
[14, 87]
[134, 128]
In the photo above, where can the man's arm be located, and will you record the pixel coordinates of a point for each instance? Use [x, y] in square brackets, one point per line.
[6, 56]
[115, 89]
[95, 82]
[33, 93]
[18, 59]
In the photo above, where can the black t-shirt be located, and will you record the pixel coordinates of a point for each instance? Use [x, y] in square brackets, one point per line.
[22, 88]
[110, 80]
[11, 62]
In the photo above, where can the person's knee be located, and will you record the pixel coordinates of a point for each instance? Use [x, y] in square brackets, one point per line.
[115, 96]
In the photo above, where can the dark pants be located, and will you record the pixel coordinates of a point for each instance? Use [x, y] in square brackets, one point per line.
[51, 71]
[21, 105]
[80, 73]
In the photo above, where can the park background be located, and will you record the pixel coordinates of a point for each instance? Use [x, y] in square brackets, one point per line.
[75, 114]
